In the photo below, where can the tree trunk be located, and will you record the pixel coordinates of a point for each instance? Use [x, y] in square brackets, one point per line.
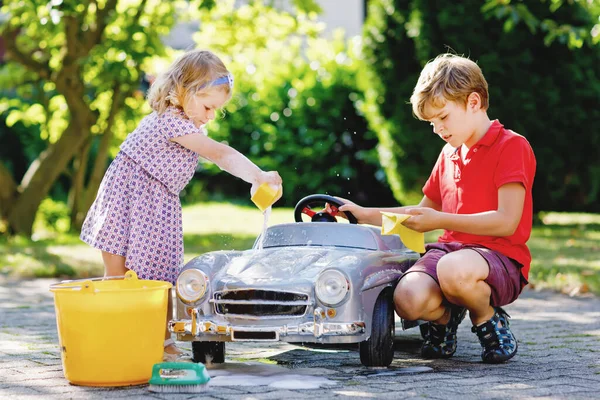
[89, 190]
[8, 192]
[77, 193]
[43, 173]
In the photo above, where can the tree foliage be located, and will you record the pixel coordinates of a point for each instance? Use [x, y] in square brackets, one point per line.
[72, 89]
[74, 69]
[544, 83]
[294, 108]
[575, 33]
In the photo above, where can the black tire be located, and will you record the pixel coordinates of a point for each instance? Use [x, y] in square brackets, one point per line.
[208, 352]
[378, 350]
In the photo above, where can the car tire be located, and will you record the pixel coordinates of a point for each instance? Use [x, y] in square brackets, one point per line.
[378, 350]
[208, 352]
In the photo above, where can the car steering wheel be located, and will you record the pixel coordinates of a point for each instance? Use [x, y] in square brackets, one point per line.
[304, 206]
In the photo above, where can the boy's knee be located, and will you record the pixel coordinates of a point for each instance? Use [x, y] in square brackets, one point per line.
[454, 276]
[406, 309]
[409, 300]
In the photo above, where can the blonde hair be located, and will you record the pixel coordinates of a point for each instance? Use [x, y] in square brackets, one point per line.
[190, 74]
[448, 77]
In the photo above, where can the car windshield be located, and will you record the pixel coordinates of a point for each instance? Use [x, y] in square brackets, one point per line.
[319, 234]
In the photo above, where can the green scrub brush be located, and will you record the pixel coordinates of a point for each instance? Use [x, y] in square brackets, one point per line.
[177, 377]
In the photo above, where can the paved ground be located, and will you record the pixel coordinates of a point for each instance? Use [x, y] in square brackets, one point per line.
[559, 358]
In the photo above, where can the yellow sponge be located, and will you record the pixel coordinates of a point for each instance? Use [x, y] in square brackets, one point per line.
[265, 196]
[391, 224]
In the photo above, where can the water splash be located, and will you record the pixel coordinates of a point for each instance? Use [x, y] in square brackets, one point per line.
[263, 234]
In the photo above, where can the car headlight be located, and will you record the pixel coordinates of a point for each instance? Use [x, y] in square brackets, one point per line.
[332, 287]
[191, 285]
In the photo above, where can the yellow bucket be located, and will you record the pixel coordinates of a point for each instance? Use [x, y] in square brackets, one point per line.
[111, 331]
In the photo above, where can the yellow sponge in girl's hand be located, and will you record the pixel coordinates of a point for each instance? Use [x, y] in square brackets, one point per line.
[266, 195]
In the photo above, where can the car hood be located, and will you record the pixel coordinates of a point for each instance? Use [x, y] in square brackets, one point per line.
[284, 266]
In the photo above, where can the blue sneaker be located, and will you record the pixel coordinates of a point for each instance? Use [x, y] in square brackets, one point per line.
[497, 341]
[440, 340]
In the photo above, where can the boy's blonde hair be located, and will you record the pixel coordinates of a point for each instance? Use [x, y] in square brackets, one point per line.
[448, 77]
[190, 74]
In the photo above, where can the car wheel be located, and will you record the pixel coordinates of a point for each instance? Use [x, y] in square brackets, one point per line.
[378, 350]
[208, 352]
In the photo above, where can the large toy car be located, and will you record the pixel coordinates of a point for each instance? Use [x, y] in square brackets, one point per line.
[304, 282]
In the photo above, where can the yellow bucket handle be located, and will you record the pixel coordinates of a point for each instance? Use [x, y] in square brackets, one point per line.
[87, 284]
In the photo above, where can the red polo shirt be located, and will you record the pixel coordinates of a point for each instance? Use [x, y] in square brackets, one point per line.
[501, 156]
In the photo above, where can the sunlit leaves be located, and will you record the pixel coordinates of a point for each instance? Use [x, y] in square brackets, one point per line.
[573, 36]
[132, 36]
[293, 106]
[58, 118]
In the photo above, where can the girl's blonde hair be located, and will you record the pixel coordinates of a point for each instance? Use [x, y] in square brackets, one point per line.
[190, 74]
[448, 77]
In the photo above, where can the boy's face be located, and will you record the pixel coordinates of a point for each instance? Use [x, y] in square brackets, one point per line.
[201, 109]
[454, 123]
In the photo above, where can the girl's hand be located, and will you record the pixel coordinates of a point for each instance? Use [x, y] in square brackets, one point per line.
[423, 219]
[270, 177]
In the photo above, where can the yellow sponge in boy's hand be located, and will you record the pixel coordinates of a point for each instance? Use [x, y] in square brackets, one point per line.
[265, 195]
[391, 224]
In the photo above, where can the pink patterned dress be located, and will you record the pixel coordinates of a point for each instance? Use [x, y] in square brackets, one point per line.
[137, 212]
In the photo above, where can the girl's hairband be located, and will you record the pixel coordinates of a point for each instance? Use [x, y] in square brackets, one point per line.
[227, 79]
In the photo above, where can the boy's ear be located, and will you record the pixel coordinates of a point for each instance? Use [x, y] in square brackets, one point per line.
[474, 101]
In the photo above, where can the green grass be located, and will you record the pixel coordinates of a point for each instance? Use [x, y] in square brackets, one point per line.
[566, 252]
[565, 246]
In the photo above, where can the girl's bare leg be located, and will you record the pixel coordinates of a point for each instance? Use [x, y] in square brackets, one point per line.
[171, 348]
[114, 265]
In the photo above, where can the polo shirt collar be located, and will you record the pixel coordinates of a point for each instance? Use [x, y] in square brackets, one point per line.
[491, 135]
[487, 140]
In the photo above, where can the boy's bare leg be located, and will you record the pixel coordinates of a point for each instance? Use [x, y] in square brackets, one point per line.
[418, 296]
[461, 275]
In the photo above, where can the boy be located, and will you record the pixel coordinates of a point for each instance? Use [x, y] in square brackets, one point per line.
[479, 192]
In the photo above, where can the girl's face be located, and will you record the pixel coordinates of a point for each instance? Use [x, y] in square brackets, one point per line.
[202, 108]
[455, 123]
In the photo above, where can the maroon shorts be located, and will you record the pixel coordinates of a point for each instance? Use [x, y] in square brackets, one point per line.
[504, 279]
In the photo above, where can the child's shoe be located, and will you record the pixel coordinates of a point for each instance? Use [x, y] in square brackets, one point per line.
[440, 340]
[171, 352]
[497, 341]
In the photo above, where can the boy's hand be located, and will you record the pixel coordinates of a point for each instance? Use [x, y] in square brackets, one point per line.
[423, 219]
[358, 211]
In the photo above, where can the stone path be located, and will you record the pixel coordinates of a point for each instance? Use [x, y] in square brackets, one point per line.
[559, 358]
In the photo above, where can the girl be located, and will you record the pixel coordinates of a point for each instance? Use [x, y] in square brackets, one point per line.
[136, 218]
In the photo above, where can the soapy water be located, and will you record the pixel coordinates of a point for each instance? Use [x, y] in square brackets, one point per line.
[275, 376]
[260, 374]
[392, 371]
[263, 234]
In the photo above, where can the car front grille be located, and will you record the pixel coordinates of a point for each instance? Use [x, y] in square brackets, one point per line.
[260, 303]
